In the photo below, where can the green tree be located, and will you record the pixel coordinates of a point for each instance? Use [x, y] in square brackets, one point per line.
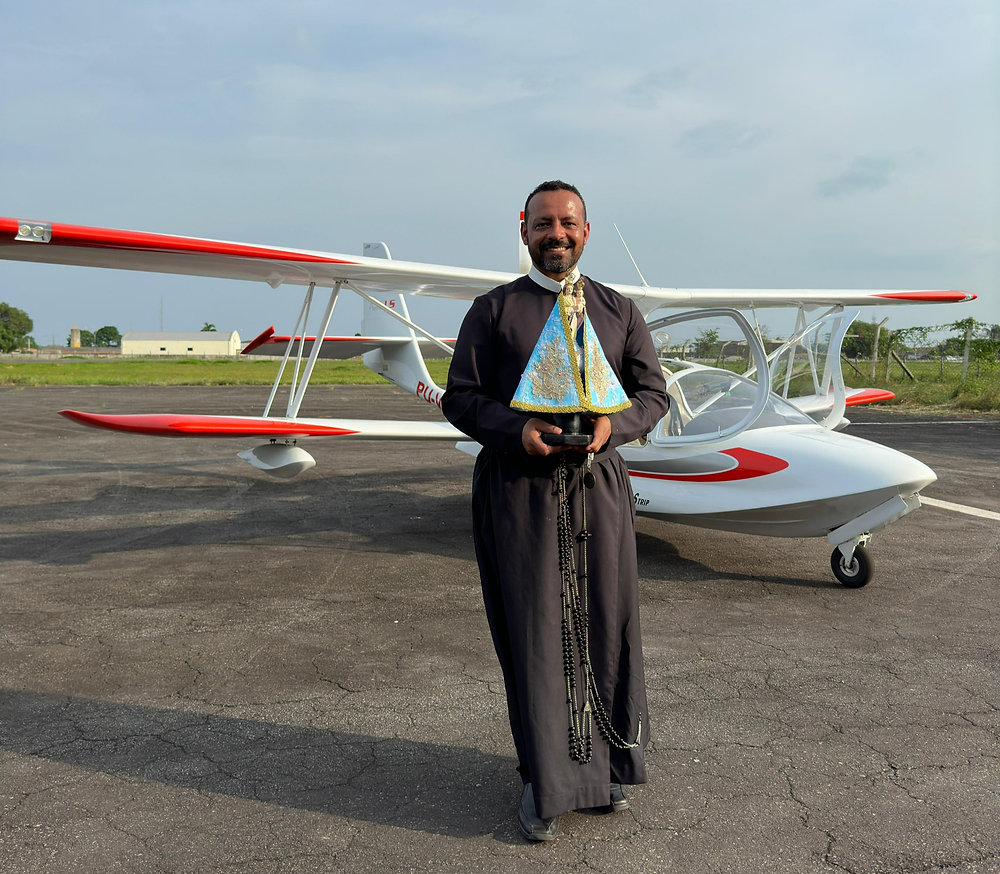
[705, 342]
[15, 325]
[973, 347]
[208, 326]
[985, 350]
[107, 336]
[907, 340]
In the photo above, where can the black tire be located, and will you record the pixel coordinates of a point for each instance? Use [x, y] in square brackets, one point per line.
[854, 573]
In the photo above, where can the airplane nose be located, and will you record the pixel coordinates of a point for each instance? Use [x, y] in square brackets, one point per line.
[883, 467]
[851, 471]
[907, 473]
[861, 485]
[919, 475]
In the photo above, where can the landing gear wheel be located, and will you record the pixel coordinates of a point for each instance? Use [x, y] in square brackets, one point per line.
[854, 573]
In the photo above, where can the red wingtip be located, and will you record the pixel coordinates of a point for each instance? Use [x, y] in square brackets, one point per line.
[178, 425]
[869, 396]
[948, 296]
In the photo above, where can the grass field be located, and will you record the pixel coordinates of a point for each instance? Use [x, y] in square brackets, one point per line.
[936, 386]
[933, 388]
[186, 371]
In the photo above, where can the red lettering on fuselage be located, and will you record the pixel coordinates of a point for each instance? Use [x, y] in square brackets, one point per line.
[431, 395]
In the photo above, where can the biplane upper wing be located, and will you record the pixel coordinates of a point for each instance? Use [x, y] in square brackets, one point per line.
[58, 243]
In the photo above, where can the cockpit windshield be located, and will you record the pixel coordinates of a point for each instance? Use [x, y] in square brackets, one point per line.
[709, 402]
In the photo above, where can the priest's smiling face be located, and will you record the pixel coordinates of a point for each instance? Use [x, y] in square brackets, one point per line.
[555, 230]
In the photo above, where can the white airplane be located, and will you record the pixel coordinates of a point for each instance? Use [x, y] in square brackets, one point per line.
[753, 453]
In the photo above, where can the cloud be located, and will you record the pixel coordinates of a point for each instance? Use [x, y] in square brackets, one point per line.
[726, 139]
[865, 175]
[648, 88]
[719, 138]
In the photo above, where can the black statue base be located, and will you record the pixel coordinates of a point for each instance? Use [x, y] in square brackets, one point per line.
[577, 430]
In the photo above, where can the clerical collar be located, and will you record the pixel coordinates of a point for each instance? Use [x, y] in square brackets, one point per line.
[547, 282]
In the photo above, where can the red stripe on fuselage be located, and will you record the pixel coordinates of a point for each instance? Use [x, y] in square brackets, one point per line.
[749, 464]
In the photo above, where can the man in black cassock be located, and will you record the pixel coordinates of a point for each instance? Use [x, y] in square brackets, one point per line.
[515, 506]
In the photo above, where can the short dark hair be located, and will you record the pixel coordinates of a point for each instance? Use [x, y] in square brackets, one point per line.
[555, 185]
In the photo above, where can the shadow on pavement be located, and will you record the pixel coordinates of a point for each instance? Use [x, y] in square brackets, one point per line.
[408, 784]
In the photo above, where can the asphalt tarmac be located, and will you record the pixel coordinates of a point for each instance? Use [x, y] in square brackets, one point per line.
[203, 669]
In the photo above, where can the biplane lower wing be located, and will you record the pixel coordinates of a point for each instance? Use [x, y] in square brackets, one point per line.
[818, 405]
[281, 456]
[857, 397]
[180, 425]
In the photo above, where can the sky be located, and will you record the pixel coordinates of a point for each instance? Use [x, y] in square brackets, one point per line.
[774, 144]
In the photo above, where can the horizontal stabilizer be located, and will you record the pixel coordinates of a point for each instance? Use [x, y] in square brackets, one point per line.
[269, 343]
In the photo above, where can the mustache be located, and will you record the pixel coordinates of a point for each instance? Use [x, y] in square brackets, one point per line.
[556, 244]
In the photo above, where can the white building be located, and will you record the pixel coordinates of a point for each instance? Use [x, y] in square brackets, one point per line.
[204, 344]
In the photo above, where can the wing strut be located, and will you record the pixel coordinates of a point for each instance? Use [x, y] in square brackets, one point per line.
[307, 306]
[300, 332]
[399, 317]
[297, 390]
[298, 393]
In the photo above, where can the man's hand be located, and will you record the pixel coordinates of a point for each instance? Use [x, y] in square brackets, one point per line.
[602, 433]
[531, 437]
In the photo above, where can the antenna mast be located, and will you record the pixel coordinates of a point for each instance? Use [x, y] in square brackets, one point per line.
[636, 266]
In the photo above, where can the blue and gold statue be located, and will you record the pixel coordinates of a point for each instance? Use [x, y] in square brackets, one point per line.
[568, 372]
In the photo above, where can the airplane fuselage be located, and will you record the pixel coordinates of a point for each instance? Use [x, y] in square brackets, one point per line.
[790, 481]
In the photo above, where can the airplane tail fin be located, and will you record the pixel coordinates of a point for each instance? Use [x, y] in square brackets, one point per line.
[402, 363]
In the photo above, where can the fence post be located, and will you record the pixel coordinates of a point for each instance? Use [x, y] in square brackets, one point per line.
[878, 330]
[968, 349]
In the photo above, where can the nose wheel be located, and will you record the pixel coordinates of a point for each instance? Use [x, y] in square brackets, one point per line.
[854, 572]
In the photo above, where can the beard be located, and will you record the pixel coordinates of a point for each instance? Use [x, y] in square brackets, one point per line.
[551, 261]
